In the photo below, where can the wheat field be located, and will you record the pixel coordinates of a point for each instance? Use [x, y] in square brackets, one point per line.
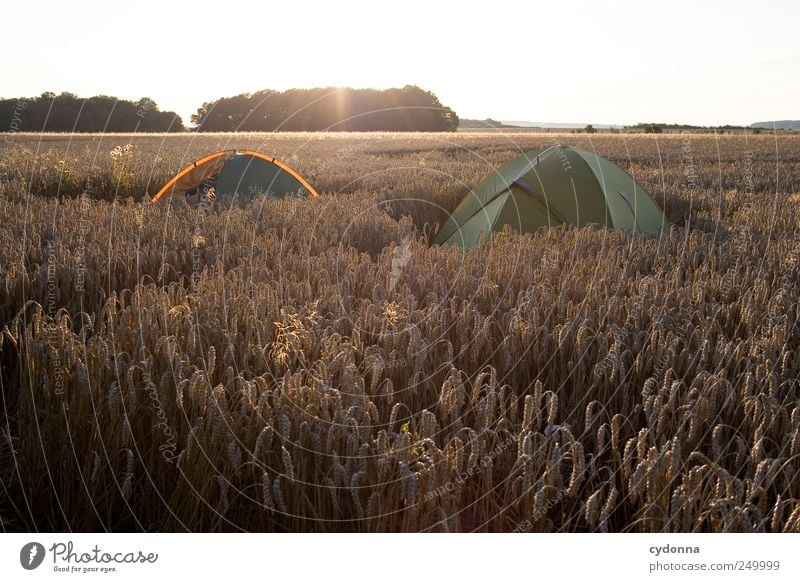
[317, 365]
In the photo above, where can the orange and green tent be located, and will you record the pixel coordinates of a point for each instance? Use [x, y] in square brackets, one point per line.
[237, 174]
[549, 187]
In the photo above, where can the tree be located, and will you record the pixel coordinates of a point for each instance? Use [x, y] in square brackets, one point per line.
[589, 129]
[409, 108]
[67, 112]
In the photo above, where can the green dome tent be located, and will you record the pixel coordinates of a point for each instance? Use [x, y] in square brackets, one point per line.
[242, 174]
[549, 187]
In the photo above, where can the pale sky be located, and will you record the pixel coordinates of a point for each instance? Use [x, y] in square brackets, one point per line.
[702, 62]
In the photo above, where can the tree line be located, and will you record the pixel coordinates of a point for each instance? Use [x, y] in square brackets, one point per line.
[328, 109]
[102, 113]
[409, 108]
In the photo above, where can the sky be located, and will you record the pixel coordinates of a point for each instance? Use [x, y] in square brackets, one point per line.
[703, 62]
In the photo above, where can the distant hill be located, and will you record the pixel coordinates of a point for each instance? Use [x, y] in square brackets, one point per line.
[783, 124]
[483, 124]
[681, 127]
[551, 125]
[786, 125]
[490, 123]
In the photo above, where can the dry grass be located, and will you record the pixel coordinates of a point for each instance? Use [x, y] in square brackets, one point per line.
[315, 365]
